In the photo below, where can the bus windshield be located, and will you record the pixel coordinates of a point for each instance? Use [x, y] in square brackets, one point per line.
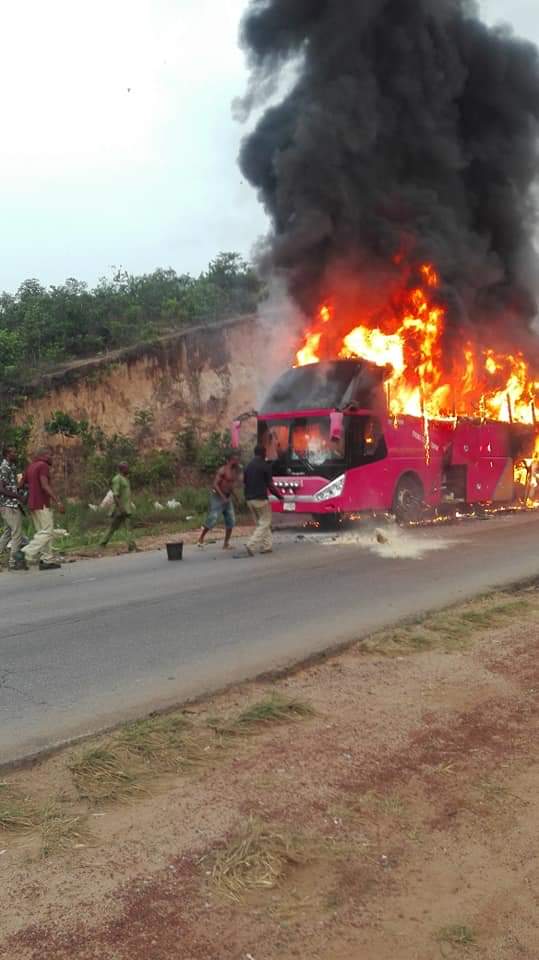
[302, 445]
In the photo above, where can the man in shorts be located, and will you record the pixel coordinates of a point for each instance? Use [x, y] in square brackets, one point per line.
[221, 505]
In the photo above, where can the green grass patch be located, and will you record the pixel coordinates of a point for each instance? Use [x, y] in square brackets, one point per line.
[86, 527]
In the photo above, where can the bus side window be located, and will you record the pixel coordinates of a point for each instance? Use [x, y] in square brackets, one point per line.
[366, 443]
[354, 434]
[371, 437]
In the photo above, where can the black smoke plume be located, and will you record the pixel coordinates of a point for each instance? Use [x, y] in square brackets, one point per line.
[411, 128]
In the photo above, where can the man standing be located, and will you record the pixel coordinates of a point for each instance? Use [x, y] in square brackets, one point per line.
[40, 497]
[122, 509]
[10, 510]
[221, 504]
[258, 482]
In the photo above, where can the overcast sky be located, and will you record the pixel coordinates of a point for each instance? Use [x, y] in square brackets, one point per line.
[119, 147]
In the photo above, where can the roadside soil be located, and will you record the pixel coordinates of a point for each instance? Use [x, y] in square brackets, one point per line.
[399, 820]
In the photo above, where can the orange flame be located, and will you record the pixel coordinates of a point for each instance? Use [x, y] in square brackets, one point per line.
[481, 382]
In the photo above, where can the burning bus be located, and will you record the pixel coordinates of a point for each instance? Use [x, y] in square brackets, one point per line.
[338, 450]
[399, 172]
[375, 419]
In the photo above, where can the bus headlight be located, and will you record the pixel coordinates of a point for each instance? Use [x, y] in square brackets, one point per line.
[333, 489]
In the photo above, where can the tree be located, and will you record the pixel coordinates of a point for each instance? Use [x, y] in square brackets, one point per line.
[40, 326]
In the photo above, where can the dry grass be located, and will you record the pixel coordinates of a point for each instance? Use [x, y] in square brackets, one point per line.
[257, 857]
[165, 743]
[452, 629]
[455, 935]
[274, 709]
[101, 774]
[60, 831]
[389, 805]
[17, 814]
[127, 761]
[54, 828]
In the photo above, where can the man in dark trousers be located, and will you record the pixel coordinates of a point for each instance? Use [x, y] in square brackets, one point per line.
[258, 483]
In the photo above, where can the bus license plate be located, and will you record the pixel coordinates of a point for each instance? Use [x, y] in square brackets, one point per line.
[289, 507]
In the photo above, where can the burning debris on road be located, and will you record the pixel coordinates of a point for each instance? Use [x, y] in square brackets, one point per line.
[399, 174]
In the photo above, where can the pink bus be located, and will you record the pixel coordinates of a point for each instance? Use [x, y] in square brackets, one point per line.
[336, 451]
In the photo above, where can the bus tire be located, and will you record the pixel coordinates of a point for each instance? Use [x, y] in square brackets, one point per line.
[328, 522]
[408, 499]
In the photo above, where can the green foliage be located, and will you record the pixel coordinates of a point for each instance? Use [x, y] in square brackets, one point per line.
[156, 470]
[213, 452]
[194, 500]
[86, 527]
[63, 423]
[101, 462]
[144, 418]
[13, 436]
[207, 454]
[40, 326]
[187, 442]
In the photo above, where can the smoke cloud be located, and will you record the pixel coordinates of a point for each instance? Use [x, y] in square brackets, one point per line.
[412, 127]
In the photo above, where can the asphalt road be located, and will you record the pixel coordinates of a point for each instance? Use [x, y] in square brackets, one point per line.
[107, 640]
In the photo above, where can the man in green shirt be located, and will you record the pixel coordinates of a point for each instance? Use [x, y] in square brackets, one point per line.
[122, 509]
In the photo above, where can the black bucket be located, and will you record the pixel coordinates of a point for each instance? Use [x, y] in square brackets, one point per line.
[175, 551]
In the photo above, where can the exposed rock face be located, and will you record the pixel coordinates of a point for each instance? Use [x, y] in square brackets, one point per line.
[204, 377]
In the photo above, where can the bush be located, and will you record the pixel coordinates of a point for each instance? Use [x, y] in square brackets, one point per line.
[187, 443]
[213, 452]
[12, 436]
[194, 500]
[63, 423]
[156, 470]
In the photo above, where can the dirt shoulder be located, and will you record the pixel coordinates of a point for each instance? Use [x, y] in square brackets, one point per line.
[380, 804]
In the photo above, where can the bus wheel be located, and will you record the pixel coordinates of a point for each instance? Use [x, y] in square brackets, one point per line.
[408, 500]
[328, 522]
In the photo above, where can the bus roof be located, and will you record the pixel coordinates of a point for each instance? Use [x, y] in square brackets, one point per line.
[329, 385]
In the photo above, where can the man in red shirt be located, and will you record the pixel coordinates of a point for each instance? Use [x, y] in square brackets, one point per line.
[40, 497]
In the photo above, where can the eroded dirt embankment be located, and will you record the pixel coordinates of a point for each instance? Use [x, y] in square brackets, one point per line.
[399, 819]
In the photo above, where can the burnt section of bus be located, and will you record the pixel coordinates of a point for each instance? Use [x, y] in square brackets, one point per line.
[295, 423]
[334, 385]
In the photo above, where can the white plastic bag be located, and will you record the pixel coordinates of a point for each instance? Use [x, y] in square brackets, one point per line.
[107, 501]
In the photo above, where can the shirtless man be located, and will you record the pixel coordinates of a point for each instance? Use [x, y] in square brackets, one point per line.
[226, 479]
